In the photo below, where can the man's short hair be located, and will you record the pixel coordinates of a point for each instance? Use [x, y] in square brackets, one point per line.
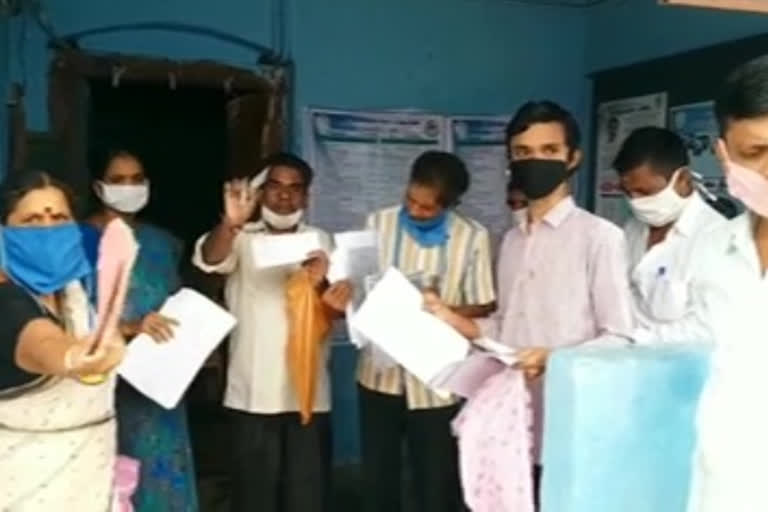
[661, 149]
[443, 171]
[546, 111]
[292, 161]
[744, 94]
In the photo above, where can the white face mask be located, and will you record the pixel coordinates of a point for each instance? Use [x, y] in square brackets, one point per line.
[281, 222]
[662, 208]
[124, 198]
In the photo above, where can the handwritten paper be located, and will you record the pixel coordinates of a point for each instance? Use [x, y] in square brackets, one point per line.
[278, 250]
[164, 371]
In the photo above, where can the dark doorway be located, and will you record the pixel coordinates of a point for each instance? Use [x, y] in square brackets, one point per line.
[181, 137]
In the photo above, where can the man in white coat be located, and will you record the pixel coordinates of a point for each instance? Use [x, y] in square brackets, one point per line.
[669, 212]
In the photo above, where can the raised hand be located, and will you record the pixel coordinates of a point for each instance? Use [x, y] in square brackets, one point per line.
[240, 201]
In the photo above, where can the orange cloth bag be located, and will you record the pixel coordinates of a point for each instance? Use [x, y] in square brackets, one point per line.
[309, 324]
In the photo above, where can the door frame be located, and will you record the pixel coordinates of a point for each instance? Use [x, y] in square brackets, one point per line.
[68, 96]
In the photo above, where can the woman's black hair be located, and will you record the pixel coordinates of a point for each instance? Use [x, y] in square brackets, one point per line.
[19, 184]
[100, 160]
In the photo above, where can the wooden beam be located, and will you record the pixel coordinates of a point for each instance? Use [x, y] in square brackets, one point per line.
[759, 6]
[153, 70]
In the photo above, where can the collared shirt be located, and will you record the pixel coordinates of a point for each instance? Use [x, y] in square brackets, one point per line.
[732, 417]
[562, 281]
[258, 379]
[660, 277]
[466, 280]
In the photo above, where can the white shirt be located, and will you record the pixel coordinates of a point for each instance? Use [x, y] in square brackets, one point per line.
[732, 422]
[258, 379]
[661, 281]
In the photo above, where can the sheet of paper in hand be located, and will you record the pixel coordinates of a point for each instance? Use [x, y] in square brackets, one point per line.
[164, 371]
[278, 250]
[392, 317]
[117, 254]
[355, 256]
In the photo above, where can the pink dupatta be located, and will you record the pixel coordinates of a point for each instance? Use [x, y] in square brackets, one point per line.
[495, 440]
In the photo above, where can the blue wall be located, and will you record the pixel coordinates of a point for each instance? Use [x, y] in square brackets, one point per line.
[449, 55]
[623, 32]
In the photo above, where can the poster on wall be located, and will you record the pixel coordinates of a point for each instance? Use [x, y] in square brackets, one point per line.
[480, 141]
[616, 120]
[697, 125]
[362, 160]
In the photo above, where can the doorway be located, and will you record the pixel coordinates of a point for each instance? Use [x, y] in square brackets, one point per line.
[180, 137]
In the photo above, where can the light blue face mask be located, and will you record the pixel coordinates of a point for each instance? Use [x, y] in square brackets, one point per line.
[427, 233]
[43, 259]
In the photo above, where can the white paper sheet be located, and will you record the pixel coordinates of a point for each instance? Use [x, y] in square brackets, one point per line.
[277, 250]
[164, 371]
[393, 318]
[356, 256]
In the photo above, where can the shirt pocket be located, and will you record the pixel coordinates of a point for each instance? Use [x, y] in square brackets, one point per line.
[668, 298]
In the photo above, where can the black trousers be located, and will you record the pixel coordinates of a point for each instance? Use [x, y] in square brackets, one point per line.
[385, 422]
[279, 465]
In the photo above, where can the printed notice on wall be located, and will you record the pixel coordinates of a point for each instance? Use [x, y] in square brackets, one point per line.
[616, 120]
[362, 161]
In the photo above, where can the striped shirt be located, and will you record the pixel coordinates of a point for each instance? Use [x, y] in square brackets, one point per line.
[465, 280]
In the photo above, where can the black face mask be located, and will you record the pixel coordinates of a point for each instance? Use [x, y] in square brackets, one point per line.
[538, 178]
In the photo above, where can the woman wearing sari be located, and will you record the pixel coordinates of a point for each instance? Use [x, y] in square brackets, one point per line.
[157, 437]
[57, 434]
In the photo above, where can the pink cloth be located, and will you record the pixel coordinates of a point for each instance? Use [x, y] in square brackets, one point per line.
[495, 439]
[561, 282]
[126, 482]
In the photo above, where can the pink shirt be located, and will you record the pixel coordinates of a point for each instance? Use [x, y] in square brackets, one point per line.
[562, 281]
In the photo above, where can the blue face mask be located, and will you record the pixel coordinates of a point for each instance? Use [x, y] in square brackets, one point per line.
[43, 259]
[427, 233]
